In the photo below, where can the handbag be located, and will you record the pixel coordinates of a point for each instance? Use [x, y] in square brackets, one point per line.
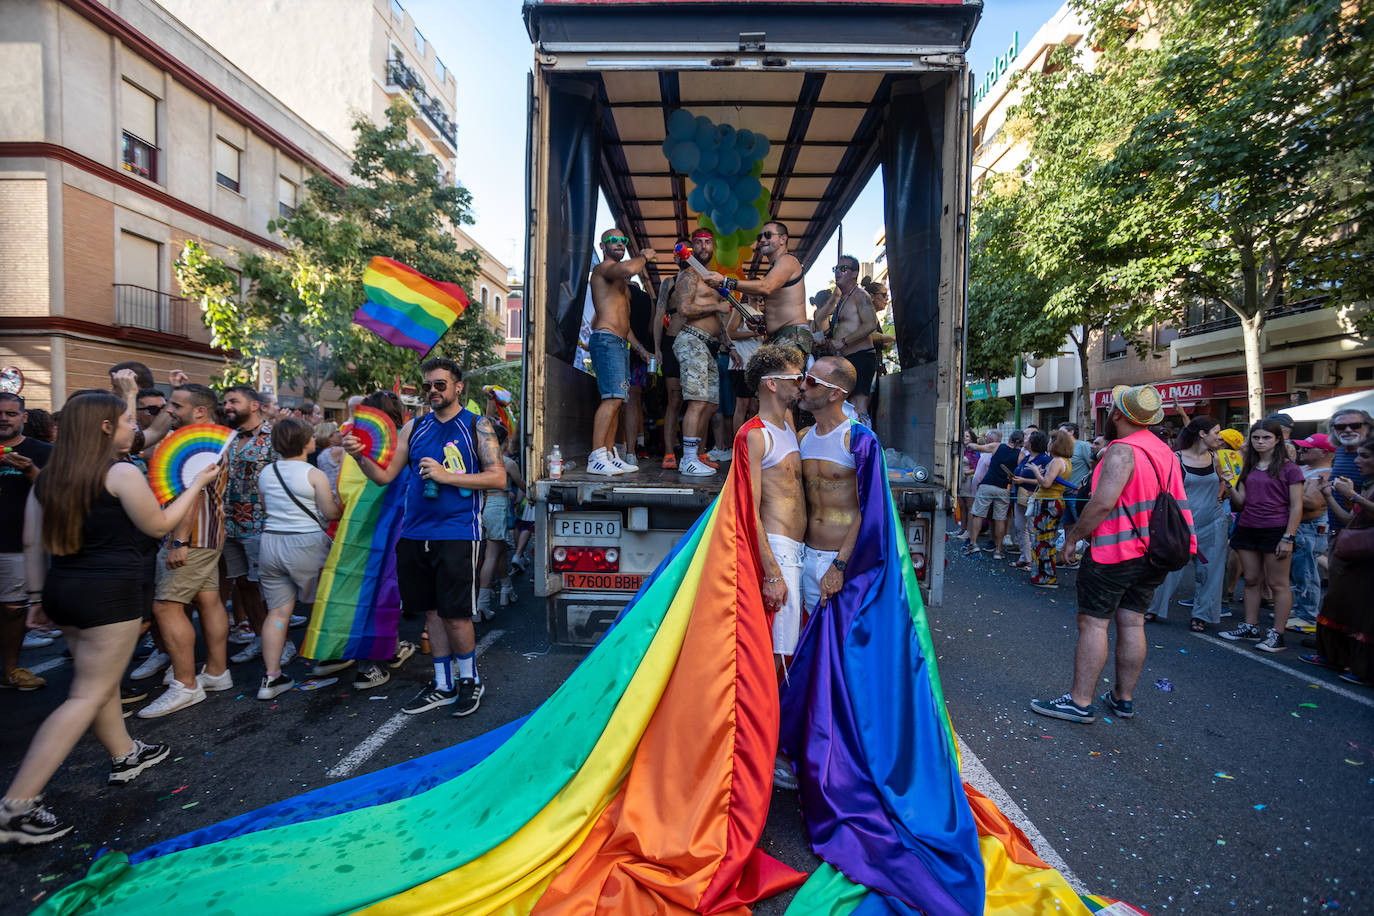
[1355, 543]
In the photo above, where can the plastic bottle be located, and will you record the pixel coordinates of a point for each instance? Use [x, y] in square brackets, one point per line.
[431, 490]
[555, 463]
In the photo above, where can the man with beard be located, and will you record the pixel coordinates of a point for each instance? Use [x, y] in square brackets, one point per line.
[609, 344]
[249, 452]
[1347, 429]
[21, 458]
[847, 323]
[833, 515]
[187, 572]
[782, 289]
[436, 554]
[696, 345]
[1117, 580]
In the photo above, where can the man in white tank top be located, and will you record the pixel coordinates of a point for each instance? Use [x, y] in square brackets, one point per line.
[832, 484]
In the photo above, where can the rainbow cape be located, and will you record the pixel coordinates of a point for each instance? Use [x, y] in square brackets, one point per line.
[358, 606]
[406, 308]
[640, 786]
[864, 721]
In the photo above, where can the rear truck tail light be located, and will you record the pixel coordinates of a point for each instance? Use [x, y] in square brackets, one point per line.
[586, 559]
[918, 561]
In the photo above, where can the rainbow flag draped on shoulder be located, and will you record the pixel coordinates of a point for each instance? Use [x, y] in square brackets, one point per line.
[406, 308]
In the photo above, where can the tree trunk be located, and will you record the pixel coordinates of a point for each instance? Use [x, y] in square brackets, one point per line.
[1254, 371]
[1085, 407]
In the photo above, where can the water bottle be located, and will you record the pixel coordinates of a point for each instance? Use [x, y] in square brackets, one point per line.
[555, 463]
[431, 490]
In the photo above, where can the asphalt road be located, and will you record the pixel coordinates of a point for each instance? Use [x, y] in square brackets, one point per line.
[1246, 788]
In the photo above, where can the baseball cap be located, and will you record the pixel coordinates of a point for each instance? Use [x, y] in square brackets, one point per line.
[1318, 440]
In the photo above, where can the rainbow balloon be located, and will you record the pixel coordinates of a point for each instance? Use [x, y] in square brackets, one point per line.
[182, 455]
[376, 431]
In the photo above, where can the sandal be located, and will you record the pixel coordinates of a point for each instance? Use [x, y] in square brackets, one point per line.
[1197, 625]
[1151, 617]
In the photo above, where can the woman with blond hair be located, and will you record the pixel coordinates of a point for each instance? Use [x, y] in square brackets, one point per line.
[92, 515]
[1051, 482]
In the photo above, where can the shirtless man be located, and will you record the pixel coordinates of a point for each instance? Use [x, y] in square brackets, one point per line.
[832, 484]
[846, 324]
[667, 323]
[784, 293]
[704, 313]
[607, 344]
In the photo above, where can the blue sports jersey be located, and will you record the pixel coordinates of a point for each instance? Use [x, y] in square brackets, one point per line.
[456, 515]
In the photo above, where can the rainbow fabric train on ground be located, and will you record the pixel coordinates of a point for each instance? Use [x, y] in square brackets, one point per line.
[642, 785]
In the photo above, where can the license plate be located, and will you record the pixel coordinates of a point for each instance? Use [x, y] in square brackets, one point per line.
[587, 525]
[603, 582]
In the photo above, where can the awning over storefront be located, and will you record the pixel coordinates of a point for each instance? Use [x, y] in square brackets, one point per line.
[1323, 409]
[1188, 392]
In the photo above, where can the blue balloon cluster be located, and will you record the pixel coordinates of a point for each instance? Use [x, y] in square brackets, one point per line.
[724, 164]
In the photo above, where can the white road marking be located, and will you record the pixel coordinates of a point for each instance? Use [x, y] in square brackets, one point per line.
[388, 729]
[977, 775]
[1246, 651]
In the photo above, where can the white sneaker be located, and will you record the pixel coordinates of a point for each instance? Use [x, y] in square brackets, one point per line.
[691, 467]
[176, 696]
[213, 682]
[249, 652]
[151, 665]
[627, 458]
[604, 466]
[33, 639]
[272, 688]
[720, 454]
[288, 653]
[241, 635]
[622, 467]
[507, 594]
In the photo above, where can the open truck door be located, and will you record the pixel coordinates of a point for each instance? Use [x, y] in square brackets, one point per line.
[839, 89]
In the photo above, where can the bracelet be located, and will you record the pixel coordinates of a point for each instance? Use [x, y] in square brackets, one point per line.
[1289, 537]
[771, 581]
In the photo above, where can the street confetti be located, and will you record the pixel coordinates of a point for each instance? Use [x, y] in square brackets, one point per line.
[1260, 807]
[1220, 775]
[1309, 705]
[191, 805]
[1094, 753]
[182, 789]
[376, 698]
[1163, 684]
[1295, 715]
[1354, 763]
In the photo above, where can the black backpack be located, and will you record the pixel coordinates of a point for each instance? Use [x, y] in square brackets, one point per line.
[1171, 536]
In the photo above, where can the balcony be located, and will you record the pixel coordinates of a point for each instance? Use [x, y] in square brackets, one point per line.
[398, 74]
[441, 121]
[1294, 334]
[1228, 319]
[149, 310]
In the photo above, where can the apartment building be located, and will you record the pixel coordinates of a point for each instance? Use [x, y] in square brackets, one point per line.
[515, 322]
[125, 135]
[330, 60]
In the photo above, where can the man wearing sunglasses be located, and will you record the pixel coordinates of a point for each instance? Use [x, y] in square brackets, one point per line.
[832, 485]
[436, 554]
[697, 343]
[610, 344]
[1348, 428]
[845, 325]
[782, 289]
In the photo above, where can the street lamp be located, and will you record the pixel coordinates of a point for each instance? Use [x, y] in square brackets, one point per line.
[1022, 364]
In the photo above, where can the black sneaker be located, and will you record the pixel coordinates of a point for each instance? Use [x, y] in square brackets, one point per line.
[1065, 708]
[1272, 642]
[34, 826]
[469, 697]
[431, 698]
[1243, 631]
[1124, 709]
[132, 694]
[124, 769]
[271, 688]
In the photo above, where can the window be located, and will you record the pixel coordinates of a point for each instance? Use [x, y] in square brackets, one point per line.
[138, 116]
[1113, 346]
[419, 43]
[513, 323]
[397, 12]
[139, 260]
[226, 164]
[286, 197]
[1164, 334]
[138, 302]
[440, 71]
[486, 297]
[496, 310]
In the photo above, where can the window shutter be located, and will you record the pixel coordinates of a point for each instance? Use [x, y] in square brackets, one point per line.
[138, 111]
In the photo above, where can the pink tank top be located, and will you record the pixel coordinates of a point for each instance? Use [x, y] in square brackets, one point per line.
[1125, 533]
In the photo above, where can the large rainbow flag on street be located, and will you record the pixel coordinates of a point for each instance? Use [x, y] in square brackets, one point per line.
[358, 604]
[406, 308]
[641, 786]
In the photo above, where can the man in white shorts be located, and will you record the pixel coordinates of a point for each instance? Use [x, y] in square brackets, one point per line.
[832, 484]
[779, 505]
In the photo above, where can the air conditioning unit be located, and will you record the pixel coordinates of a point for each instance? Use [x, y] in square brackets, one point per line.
[1319, 374]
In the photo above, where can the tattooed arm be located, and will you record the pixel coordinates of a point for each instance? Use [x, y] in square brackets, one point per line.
[493, 473]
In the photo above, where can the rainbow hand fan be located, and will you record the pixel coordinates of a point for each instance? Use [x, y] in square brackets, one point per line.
[182, 455]
[375, 430]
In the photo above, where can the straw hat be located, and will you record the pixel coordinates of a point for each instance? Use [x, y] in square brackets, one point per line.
[1140, 403]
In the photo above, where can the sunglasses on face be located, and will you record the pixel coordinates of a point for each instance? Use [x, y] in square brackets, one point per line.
[437, 386]
[615, 240]
[1343, 427]
[842, 268]
[769, 235]
[794, 377]
[812, 380]
[154, 411]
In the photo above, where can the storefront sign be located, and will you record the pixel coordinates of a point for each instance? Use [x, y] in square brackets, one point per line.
[1188, 392]
[978, 391]
[998, 69]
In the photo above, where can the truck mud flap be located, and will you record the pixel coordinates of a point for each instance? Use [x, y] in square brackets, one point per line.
[582, 620]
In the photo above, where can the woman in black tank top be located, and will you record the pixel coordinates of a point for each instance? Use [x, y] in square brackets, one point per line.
[94, 515]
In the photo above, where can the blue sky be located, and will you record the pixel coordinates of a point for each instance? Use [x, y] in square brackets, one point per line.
[486, 47]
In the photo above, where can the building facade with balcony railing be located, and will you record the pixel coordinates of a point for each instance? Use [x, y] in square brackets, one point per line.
[157, 140]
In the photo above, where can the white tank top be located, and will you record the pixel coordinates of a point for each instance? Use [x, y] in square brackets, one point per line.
[781, 443]
[283, 515]
[829, 447]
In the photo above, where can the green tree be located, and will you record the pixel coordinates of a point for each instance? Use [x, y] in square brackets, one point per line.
[987, 413]
[297, 306]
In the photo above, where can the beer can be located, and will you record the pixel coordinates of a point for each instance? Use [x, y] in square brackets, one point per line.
[653, 365]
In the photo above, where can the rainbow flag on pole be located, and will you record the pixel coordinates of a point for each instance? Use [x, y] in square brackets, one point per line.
[406, 308]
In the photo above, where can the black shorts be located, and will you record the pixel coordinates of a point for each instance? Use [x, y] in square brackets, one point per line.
[739, 386]
[1105, 588]
[671, 368]
[437, 576]
[866, 365]
[70, 601]
[1261, 540]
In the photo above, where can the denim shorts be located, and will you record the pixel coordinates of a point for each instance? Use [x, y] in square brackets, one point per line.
[611, 363]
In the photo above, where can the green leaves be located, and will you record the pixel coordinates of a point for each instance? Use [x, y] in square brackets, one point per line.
[297, 307]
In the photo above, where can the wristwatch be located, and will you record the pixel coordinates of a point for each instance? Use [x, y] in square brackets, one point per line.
[174, 544]
[839, 564]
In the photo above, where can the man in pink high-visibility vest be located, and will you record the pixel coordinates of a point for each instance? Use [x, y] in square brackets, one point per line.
[1117, 581]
